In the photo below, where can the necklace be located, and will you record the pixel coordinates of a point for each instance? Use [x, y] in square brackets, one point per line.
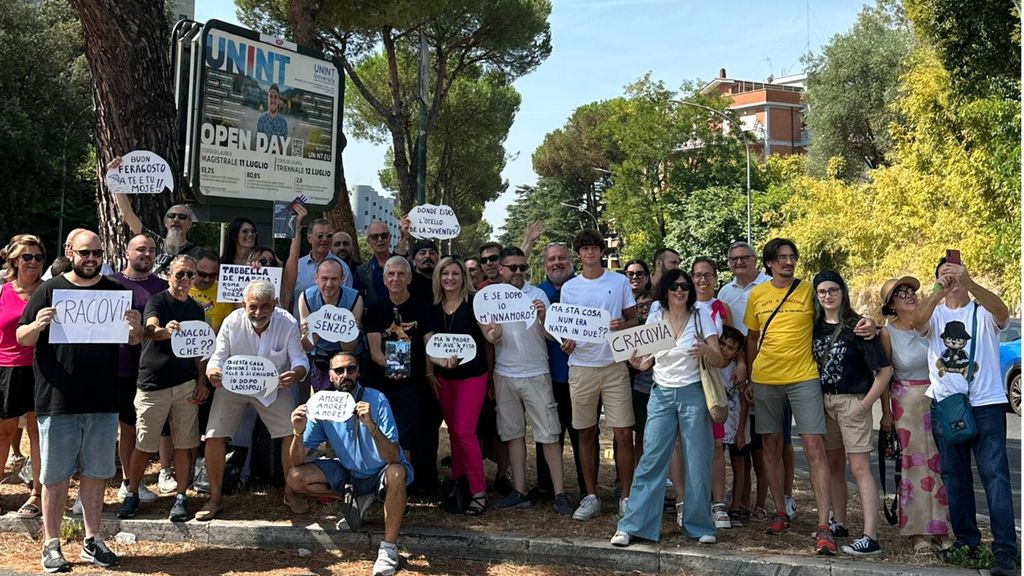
[449, 317]
[676, 326]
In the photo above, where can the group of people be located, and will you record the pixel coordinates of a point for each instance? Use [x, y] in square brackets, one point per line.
[788, 351]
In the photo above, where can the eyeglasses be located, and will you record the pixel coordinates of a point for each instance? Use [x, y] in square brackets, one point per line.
[202, 274]
[345, 369]
[678, 286]
[738, 259]
[903, 294]
[185, 274]
[379, 236]
[31, 257]
[703, 275]
[87, 253]
[639, 274]
[176, 216]
[823, 292]
[489, 259]
[516, 267]
[247, 232]
[786, 258]
[322, 235]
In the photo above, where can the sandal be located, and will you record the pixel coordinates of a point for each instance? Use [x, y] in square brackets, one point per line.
[298, 508]
[477, 505]
[28, 510]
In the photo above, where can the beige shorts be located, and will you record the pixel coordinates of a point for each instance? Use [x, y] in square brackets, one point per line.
[519, 399]
[848, 424]
[609, 386]
[154, 407]
[228, 408]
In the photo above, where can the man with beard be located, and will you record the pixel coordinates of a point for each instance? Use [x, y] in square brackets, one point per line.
[490, 253]
[259, 328]
[76, 404]
[424, 259]
[368, 465]
[105, 270]
[320, 236]
[342, 247]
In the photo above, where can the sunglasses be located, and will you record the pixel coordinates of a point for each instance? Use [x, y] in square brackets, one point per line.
[342, 243]
[247, 232]
[87, 253]
[379, 236]
[31, 257]
[206, 274]
[265, 261]
[489, 259]
[322, 235]
[345, 369]
[516, 267]
[185, 274]
[176, 216]
[639, 274]
[679, 286]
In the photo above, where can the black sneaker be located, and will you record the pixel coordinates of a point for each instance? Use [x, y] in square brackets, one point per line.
[1005, 564]
[130, 506]
[179, 511]
[838, 530]
[863, 546]
[563, 505]
[96, 551]
[514, 500]
[53, 560]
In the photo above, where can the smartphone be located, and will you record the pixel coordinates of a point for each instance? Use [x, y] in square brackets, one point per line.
[953, 257]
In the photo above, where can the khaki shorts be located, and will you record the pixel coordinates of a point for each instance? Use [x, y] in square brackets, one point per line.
[520, 398]
[849, 425]
[228, 408]
[155, 407]
[803, 398]
[609, 386]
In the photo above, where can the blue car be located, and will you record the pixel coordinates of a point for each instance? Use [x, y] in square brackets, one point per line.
[1009, 363]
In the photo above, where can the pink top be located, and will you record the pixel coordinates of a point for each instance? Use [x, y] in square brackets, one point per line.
[11, 353]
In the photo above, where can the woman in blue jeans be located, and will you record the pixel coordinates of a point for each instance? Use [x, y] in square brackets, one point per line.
[676, 406]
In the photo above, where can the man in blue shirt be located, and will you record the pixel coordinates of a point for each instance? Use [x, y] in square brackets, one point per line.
[369, 463]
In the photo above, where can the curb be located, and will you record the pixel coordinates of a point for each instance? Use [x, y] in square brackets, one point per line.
[649, 558]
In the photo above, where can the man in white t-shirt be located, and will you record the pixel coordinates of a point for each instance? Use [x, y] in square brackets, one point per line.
[594, 376]
[963, 357]
[522, 387]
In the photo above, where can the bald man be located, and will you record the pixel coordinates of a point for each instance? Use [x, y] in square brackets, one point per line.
[105, 269]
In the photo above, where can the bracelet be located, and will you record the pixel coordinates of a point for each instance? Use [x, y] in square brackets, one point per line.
[938, 288]
[297, 434]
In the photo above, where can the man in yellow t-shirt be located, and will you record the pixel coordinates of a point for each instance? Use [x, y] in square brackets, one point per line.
[204, 289]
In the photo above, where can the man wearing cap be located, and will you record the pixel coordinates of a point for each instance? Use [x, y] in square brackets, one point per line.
[954, 323]
[424, 260]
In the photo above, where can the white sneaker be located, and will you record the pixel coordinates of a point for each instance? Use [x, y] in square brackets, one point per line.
[620, 539]
[668, 483]
[76, 508]
[145, 494]
[721, 514]
[590, 507]
[622, 506]
[167, 484]
[790, 508]
[679, 513]
[387, 560]
[707, 539]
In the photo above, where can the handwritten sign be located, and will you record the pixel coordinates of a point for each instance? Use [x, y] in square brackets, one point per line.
[502, 304]
[251, 376]
[140, 172]
[331, 405]
[646, 339]
[90, 316]
[333, 324]
[429, 221]
[234, 278]
[447, 345]
[579, 323]
[193, 339]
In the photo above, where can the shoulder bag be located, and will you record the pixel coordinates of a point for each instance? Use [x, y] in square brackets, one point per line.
[711, 380]
[764, 329]
[954, 412]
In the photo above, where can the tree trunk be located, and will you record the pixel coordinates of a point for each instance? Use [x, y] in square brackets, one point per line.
[126, 46]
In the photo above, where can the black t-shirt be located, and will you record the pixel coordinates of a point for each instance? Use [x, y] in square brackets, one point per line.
[160, 368]
[853, 362]
[461, 322]
[72, 378]
[416, 323]
[421, 287]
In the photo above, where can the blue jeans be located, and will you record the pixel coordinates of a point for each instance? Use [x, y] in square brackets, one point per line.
[989, 448]
[670, 410]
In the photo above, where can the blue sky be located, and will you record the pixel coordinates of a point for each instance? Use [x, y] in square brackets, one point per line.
[599, 46]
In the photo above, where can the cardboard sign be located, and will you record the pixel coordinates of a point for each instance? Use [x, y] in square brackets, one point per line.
[645, 339]
[140, 172]
[579, 323]
[193, 339]
[443, 346]
[331, 405]
[251, 376]
[90, 316]
[333, 324]
[429, 221]
[234, 278]
[502, 304]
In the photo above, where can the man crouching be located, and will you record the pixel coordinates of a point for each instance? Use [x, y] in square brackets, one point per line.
[368, 465]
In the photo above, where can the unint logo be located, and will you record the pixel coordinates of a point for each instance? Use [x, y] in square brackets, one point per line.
[247, 59]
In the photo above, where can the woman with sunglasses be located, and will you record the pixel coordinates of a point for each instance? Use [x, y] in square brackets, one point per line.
[239, 242]
[639, 276]
[676, 407]
[23, 265]
[460, 388]
[923, 509]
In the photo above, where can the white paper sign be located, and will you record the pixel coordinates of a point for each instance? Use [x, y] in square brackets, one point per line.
[579, 323]
[140, 172]
[251, 376]
[429, 221]
[502, 304]
[442, 346]
[644, 339]
[90, 316]
[234, 278]
[193, 339]
[331, 405]
[333, 324]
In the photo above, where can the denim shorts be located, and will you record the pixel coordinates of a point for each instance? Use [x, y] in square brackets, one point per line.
[72, 443]
[337, 476]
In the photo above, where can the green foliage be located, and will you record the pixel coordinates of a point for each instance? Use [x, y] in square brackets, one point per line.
[545, 203]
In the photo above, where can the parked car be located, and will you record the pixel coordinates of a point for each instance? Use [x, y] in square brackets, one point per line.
[1009, 363]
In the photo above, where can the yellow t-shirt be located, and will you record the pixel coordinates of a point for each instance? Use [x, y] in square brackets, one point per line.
[215, 311]
[785, 357]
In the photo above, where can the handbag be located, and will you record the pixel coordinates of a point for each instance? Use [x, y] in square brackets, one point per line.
[954, 412]
[714, 387]
[456, 495]
[889, 449]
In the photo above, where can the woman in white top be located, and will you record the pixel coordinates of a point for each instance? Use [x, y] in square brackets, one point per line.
[676, 406]
[923, 510]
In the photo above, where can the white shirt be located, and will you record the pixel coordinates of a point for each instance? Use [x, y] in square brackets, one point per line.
[612, 292]
[280, 342]
[987, 386]
[735, 297]
[718, 323]
[522, 351]
[675, 368]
